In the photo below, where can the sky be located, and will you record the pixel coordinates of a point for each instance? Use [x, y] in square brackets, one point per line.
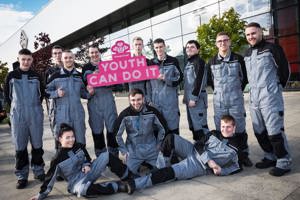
[15, 13]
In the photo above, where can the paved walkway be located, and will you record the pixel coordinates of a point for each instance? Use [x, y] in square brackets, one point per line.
[249, 184]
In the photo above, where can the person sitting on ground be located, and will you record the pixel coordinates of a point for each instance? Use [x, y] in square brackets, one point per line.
[74, 164]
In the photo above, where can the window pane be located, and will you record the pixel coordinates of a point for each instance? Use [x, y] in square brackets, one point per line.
[205, 14]
[291, 47]
[174, 47]
[119, 33]
[139, 26]
[246, 8]
[186, 38]
[265, 22]
[124, 38]
[287, 22]
[165, 16]
[196, 5]
[167, 29]
[145, 34]
[190, 22]
[284, 3]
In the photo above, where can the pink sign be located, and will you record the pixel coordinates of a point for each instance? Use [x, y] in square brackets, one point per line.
[123, 68]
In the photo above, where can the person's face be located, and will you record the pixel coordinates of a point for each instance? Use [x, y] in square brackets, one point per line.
[159, 48]
[191, 50]
[223, 43]
[94, 54]
[68, 60]
[136, 101]
[56, 55]
[137, 47]
[67, 139]
[227, 129]
[25, 62]
[253, 35]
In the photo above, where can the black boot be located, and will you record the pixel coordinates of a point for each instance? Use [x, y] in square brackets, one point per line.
[276, 171]
[265, 163]
[21, 184]
[127, 187]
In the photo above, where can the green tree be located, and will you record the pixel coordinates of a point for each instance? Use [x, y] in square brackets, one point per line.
[231, 23]
[3, 72]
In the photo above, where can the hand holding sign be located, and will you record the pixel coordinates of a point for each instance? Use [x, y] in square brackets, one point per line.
[123, 68]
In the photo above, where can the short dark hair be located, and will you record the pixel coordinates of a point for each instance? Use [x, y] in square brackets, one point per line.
[223, 33]
[64, 127]
[57, 47]
[159, 40]
[253, 24]
[135, 91]
[25, 52]
[195, 42]
[94, 46]
[228, 118]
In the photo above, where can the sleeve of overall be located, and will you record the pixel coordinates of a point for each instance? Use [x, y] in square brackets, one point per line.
[230, 169]
[83, 92]
[177, 76]
[243, 72]
[7, 88]
[88, 159]
[51, 90]
[199, 83]
[50, 178]
[119, 127]
[283, 67]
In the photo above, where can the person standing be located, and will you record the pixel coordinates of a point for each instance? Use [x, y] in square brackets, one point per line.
[24, 92]
[66, 87]
[268, 72]
[101, 107]
[228, 77]
[163, 92]
[195, 96]
[138, 45]
[55, 66]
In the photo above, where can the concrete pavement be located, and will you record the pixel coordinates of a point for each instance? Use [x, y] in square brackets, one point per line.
[249, 184]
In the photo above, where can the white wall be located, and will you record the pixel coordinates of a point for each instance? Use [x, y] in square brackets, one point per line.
[58, 19]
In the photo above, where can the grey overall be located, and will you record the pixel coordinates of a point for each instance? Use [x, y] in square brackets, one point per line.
[195, 90]
[193, 163]
[102, 110]
[141, 144]
[164, 94]
[265, 70]
[23, 92]
[68, 109]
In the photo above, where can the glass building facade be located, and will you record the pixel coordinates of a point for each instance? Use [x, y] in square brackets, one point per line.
[176, 21]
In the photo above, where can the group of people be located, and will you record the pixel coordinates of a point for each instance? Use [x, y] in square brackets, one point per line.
[151, 120]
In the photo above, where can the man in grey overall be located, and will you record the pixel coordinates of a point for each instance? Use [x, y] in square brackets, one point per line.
[228, 77]
[55, 66]
[101, 107]
[268, 72]
[163, 90]
[214, 153]
[24, 93]
[195, 96]
[66, 87]
[141, 122]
